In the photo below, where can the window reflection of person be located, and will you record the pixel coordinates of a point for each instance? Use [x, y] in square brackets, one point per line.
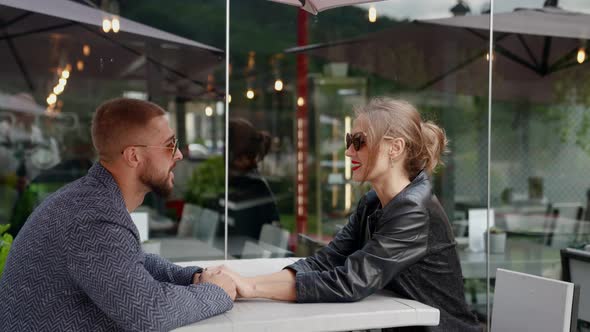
[252, 201]
[399, 237]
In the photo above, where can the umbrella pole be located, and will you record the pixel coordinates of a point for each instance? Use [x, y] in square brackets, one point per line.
[302, 199]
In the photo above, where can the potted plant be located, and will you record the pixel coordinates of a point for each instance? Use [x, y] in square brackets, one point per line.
[497, 238]
[5, 243]
[207, 182]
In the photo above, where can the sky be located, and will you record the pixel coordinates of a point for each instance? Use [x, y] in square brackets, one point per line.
[427, 9]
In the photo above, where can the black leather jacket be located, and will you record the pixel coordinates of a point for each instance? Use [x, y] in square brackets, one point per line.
[407, 247]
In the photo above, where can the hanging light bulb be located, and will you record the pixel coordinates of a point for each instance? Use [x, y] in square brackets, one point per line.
[372, 14]
[581, 55]
[63, 81]
[80, 65]
[106, 25]
[65, 74]
[279, 85]
[250, 94]
[116, 25]
[228, 98]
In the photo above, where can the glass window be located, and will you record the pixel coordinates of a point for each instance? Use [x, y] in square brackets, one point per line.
[56, 70]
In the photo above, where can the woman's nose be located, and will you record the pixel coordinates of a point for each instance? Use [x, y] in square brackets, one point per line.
[350, 151]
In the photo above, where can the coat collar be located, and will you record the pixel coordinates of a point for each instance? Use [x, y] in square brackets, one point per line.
[102, 175]
[373, 203]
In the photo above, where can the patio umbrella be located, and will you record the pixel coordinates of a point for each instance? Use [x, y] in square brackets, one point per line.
[39, 36]
[535, 53]
[21, 103]
[316, 6]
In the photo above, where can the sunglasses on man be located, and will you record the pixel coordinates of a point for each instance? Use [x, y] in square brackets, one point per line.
[173, 146]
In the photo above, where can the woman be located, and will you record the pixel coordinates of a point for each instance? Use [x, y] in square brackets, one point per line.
[398, 239]
[248, 147]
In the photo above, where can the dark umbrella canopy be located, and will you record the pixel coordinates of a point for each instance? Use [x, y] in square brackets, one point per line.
[535, 51]
[39, 36]
[316, 6]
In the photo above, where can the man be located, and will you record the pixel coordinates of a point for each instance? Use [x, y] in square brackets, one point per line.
[77, 263]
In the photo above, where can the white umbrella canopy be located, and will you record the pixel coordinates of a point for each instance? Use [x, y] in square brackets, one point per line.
[22, 103]
[535, 53]
[39, 36]
[316, 6]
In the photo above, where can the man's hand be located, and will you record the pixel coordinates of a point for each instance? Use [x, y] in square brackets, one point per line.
[245, 286]
[220, 279]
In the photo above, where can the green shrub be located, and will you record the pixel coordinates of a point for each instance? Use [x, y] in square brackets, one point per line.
[207, 181]
[5, 243]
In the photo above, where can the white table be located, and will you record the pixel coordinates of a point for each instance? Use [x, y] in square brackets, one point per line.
[376, 311]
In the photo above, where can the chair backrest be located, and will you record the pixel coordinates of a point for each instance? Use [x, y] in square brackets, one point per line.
[188, 222]
[524, 302]
[141, 221]
[570, 210]
[207, 226]
[575, 266]
[273, 235]
[253, 250]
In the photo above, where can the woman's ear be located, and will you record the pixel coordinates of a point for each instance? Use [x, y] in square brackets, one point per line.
[397, 147]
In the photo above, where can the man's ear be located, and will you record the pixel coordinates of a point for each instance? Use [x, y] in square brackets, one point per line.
[130, 157]
[397, 147]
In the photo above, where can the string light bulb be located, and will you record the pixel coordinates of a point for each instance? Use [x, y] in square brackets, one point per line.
[300, 101]
[58, 89]
[86, 50]
[51, 99]
[116, 25]
[372, 14]
[279, 85]
[581, 55]
[250, 94]
[208, 111]
[106, 25]
[488, 56]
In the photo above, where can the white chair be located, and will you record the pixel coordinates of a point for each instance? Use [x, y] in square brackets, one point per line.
[207, 226]
[575, 266]
[141, 221]
[253, 250]
[274, 235]
[524, 302]
[570, 210]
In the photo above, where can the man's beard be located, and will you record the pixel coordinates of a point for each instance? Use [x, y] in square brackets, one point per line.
[159, 186]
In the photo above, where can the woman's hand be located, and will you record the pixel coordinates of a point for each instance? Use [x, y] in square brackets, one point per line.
[246, 287]
[222, 280]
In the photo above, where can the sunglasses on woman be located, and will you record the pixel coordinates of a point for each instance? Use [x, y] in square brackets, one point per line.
[357, 140]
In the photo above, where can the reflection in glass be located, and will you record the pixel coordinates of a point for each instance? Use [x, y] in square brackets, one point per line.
[55, 70]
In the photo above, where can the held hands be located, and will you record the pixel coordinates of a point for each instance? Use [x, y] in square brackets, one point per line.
[245, 287]
[220, 279]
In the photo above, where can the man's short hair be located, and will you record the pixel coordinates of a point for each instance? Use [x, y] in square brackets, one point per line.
[118, 121]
